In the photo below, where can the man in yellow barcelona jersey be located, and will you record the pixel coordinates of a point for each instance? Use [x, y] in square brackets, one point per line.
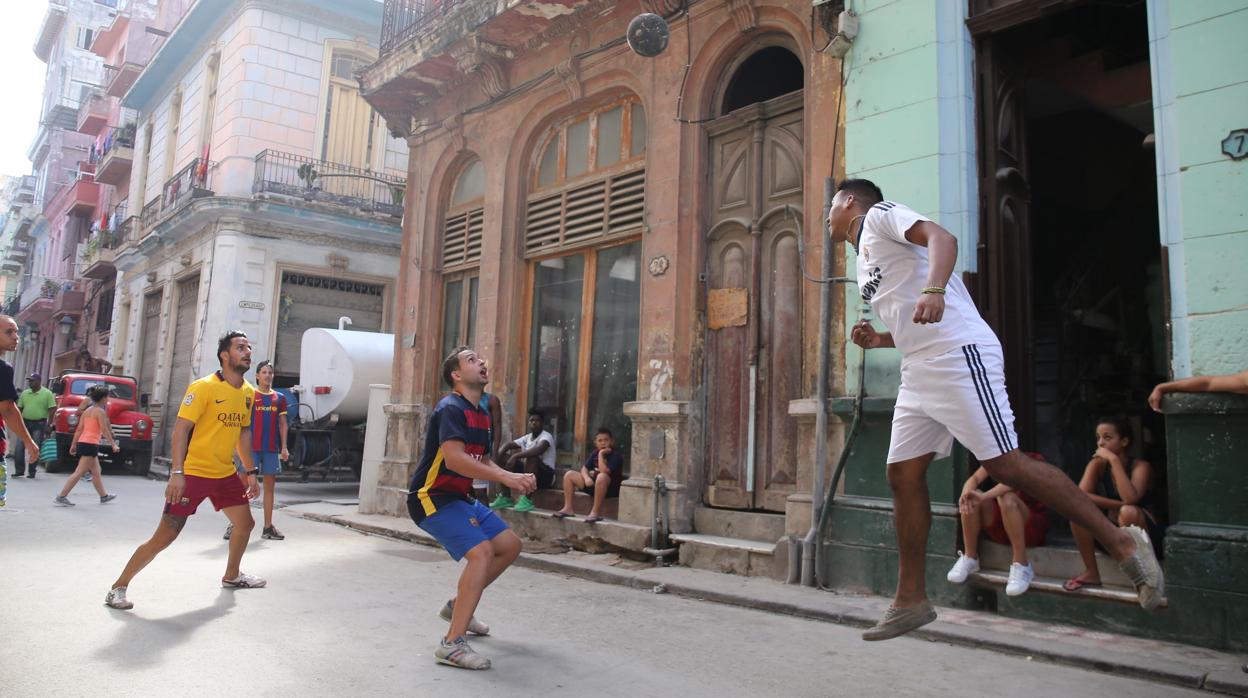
[214, 422]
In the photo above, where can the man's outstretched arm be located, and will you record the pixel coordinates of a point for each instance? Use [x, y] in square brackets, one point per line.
[1234, 383]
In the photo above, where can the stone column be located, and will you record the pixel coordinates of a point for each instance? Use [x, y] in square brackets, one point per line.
[661, 439]
[405, 436]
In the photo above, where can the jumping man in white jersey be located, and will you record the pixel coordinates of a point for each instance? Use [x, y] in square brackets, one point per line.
[952, 387]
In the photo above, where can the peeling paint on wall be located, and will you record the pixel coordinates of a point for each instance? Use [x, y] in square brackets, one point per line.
[661, 379]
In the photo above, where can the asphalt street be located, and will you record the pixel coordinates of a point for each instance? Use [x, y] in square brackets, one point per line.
[353, 615]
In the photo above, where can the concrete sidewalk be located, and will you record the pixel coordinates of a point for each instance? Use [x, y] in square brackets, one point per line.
[1171, 663]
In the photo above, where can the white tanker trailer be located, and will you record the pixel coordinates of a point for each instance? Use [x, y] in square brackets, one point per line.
[335, 369]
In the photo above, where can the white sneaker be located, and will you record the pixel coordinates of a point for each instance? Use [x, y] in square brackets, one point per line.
[963, 568]
[117, 599]
[1020, 579]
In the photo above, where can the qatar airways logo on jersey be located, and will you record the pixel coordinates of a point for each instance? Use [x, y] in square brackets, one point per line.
[869, 288]
[233, 420]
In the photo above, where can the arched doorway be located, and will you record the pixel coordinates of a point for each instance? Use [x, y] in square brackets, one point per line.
[754, 299]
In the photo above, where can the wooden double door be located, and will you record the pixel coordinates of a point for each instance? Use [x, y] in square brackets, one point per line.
[754, 304]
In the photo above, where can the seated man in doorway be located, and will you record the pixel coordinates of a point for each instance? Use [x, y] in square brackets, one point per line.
[1008, 517]
[533, 452]
[85, 362]
[600, 476]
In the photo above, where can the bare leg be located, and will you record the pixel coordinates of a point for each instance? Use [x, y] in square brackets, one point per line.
[166, 533]
[240, 516]
[270, 481]
[912, 516]
[507, 546]
[471, 583]
[1051, 486]
[602, 483]
[84, 467]
[98, 480]
[1014, 517]
[972, 525]
[1087, 552]
[572, 481]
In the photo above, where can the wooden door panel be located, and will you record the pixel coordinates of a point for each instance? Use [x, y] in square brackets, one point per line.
[780, 379]
[728, 372]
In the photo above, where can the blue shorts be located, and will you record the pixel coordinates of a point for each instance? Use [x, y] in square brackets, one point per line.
[267, 462]
[461, 526]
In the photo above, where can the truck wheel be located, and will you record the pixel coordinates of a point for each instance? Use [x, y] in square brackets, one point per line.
[141, 463]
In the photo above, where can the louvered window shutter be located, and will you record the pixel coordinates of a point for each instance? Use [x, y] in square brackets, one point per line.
[614, 206]
[461, 241]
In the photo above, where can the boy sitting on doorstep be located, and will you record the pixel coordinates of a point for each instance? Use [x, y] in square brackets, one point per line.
[533, 452]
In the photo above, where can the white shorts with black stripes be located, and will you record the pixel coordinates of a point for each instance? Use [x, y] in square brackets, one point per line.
[956, 395]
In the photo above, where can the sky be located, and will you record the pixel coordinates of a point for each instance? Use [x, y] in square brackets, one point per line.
[23, 82]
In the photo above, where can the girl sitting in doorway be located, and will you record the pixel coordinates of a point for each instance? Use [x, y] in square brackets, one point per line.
[92, 424]
[1120, 485]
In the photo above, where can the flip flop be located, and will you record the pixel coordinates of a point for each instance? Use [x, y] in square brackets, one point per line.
[593, 519]
[1077, 583]
[560, 515]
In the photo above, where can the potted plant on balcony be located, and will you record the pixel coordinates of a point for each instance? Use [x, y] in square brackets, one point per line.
[125, 136]
[308, 174]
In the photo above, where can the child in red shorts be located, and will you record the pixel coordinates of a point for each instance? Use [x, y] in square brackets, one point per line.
[1008, 517]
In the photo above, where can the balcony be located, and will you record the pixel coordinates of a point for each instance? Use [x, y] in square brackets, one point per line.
[120, 78]
[92, 112]
[79, 197]
[403, 19]
[68, 301]
[191, 182]
[37, 300]
[115, 156]
[100, 250]
[53, 23]
[361, 191]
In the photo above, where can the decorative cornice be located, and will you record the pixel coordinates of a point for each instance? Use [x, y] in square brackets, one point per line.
[485, 61]
[454, 126]
[744, 14]
[662, 8]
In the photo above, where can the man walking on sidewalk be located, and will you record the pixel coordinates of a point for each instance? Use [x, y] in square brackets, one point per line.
[440, 502]
[9, 414]
[37, 405]
[952, 386]
[213, 423]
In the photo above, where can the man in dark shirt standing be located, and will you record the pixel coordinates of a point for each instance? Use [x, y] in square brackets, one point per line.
[440, 501]
[9, 414]
[600, 477]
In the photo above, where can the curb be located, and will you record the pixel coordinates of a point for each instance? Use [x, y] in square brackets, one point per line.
[1229, 681]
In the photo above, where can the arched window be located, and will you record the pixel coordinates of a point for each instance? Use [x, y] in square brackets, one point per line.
[586, 210]
[768, 73]
[589, 178]
[461, 254]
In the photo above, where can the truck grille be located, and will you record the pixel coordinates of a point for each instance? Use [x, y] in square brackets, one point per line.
[122, 431]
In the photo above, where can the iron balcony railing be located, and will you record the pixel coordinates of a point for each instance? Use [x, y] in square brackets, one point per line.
[114, 137]
[403, 19]
[328, 182]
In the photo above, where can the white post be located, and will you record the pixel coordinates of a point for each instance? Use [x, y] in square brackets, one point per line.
[374, 447]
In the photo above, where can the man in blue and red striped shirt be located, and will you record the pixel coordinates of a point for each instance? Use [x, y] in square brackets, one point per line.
[268, 442]
[457, 448]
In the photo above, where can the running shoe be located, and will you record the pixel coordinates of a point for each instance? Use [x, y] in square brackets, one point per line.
[105, 499]
[475, 626]
[524, 503]
[899, 621]
[271, 533]
[1020, 579]
[63, 501]
[117, 599]
[86, 477]
[459, 654]
[963, 568]
[502, 501]
[244, 581]
[229, 531]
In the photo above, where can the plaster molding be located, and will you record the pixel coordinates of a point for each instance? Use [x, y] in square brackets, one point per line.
[485, 61]
[661, 8]
[454, 126]
[569, 73]
[744, 14]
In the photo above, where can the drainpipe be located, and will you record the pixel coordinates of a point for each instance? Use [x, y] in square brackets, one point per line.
[658, 524]
[811, 542]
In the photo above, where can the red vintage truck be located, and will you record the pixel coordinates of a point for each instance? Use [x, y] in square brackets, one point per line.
[132, 428]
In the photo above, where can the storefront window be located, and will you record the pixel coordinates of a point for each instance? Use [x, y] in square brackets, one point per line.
[558, 286]
[613, 358]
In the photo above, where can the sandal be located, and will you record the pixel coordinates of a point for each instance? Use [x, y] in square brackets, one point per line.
[560, 515]
[1077, 583]
[593, 519]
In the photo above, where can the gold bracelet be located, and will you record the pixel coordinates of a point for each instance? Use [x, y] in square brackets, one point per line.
[934, 290]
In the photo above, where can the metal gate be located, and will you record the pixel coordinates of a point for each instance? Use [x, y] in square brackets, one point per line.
[309, 301]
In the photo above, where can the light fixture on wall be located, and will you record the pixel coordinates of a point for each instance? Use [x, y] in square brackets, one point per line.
[66, 325]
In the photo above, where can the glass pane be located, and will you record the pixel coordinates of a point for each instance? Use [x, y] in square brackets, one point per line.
[638, 130]
[556, 342]
[610, 125]
[471, 340]
[471, 184]
[548, 169]
[613, 357]
[450, 316]
[578, 148]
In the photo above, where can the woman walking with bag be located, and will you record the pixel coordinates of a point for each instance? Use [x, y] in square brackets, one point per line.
[92, 424]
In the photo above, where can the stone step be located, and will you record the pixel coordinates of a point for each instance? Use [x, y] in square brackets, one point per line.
[1052, 585]
[746, 525]
[748, 558]
[581, 503]
[1053, 561]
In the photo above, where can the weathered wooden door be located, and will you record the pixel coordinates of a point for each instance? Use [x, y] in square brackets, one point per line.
[754, 302]
[180, 361]
[1003, 284]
